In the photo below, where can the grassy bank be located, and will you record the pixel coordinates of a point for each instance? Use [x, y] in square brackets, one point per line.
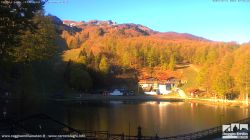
[207, 101]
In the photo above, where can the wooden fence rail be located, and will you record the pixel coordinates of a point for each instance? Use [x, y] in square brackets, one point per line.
[190, 136]
[106, 135]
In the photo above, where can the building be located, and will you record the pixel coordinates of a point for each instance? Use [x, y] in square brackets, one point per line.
[116, 92]
[149, 84]
[153, 85]
[195, 92]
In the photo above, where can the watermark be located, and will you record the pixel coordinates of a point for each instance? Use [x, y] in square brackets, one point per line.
[35, 2]
[235, 131]
[57, 1]
[42, 136]
[231, 1]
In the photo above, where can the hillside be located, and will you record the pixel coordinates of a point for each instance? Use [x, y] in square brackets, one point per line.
[119, 55]
[103, 55]
[44, 55]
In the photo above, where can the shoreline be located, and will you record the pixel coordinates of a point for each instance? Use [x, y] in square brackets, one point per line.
[218, 102]
[119, 98]
[207, 101]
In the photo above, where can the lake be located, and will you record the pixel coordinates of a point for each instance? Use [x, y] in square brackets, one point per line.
[155, 117]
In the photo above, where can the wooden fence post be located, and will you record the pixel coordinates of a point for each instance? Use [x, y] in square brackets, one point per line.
[157, 137]
[139, 135]
[122, 136]
[107, 135]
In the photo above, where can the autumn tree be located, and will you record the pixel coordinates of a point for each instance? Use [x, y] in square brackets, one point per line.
[241, 71]
[223, 82]
[82, 57]
[104, 66]
[90, 59]
[172, 61]
[150, 58]
[163, 60]
[126, 60]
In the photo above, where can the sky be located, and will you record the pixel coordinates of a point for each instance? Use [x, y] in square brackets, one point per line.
[218, 20]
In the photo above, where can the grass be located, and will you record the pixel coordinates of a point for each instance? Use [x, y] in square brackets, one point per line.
[190, 74]
[71, 54]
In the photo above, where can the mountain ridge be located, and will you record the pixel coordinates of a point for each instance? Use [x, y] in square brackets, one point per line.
[127, 29]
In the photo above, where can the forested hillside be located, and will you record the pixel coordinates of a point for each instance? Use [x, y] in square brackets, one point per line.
[55, 56]
[224, 67]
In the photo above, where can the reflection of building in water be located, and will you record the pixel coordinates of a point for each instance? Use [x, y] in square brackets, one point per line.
[150, 115]
[162, 104]
[4, 112]
[158, 113]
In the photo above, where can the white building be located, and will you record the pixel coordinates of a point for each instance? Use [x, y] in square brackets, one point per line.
[116, 92]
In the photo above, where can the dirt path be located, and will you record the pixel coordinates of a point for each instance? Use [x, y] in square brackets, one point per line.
[181, 93]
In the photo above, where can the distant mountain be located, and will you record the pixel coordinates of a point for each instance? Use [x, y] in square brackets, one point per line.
[110, 27]
[56, 20]
[178, 36]
[129, 29]
[137, 27]
[91, 22]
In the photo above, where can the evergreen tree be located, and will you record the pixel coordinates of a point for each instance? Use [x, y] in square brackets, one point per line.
[15, 18]
[39, 45]
[80, 78]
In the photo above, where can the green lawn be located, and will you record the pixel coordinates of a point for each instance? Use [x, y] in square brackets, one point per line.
[190, 74]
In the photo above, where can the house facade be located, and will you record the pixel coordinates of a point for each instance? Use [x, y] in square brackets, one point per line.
[158, 86]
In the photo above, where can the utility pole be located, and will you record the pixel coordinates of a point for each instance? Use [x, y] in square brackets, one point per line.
[246, 79]
[246, 89]
[138, 88]
[129, 128]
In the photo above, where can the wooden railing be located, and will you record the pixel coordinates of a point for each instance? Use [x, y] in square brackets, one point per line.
[190, 136]
[106, 135]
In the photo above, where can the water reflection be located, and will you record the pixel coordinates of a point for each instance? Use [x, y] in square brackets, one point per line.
[163, 118]
[4, 112]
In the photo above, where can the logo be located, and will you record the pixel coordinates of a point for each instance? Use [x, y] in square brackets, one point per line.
[235, 131]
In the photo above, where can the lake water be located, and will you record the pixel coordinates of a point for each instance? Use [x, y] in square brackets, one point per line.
[163, 118]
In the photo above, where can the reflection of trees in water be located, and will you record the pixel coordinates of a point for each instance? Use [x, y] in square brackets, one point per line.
[116, 117]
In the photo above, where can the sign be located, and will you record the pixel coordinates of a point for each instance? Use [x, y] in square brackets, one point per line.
[235, 131]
